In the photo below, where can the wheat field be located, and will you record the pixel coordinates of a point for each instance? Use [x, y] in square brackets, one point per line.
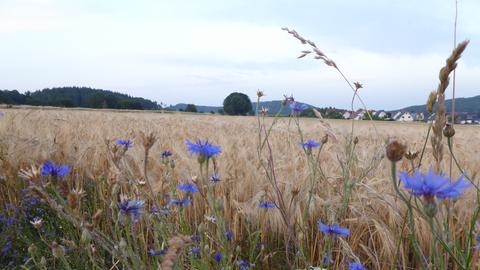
[79, 138]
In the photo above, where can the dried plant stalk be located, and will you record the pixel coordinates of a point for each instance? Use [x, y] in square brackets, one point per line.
[440, 118]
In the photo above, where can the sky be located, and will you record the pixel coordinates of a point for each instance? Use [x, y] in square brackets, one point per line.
[200, 51]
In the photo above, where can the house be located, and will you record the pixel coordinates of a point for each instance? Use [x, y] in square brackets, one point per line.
[405, 117]
[419, 116]
[382, 114]
[359, 114]
[468, 119]
[346, 115]
[396, 116]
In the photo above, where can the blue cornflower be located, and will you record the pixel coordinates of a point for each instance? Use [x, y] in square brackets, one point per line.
[195, 238]
[327, 260]
[6, 247]
[356, 266]
[182, 202]
[334, 230]
[431, 185]
[217, 256]
[204, 150]
[229, 235]
[298, 107]
[266, 205]
[55, 170]
[215, 178]
[196, 251]
[309, 144]
[189, 188]
[166, 154]
[244, 264]
[126, 143]
[131, 208]
[156, 252]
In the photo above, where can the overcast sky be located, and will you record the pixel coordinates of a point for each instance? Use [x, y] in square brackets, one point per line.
[200, 51]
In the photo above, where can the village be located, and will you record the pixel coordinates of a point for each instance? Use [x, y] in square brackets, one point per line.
[405, 116]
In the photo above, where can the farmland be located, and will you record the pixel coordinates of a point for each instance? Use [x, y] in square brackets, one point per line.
[374, 213]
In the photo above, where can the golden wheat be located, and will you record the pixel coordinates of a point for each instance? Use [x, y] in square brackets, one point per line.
[77, 137]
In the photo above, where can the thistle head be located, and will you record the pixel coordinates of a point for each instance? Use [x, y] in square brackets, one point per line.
[395, 151]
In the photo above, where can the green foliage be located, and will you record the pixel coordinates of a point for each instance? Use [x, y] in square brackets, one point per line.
[330, 113]
[374, 117]
[77, 97]
[237, 104]
[191, 108]
[12, 97]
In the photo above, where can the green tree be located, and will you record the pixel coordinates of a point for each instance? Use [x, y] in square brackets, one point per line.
[191, 108]
[237, 104]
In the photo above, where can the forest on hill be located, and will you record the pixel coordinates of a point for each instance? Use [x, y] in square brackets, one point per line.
[77, 97]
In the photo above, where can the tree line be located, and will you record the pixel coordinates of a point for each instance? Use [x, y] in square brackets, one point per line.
[77, 97]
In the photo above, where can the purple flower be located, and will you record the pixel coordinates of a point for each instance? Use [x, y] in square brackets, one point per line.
[166, 154]
[431, 185]
[182, 202]
[244, 264]
[298, 107]
[356, 266]
[195, 238]
[334, 230]
[126, 143]
[217, 256]
[156, 252]
[131, 208]
[203, 149]
[266, 205]
[229, 235]
[195, 251]
[50, 168]
[6, 248]
[310, 144]
[215, 178]
[327, 260]
[189, 188]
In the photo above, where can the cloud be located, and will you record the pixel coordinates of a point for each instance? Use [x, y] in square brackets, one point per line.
[199, 53]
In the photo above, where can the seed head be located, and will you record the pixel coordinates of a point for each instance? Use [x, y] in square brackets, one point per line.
[432, 99]
[324, 139]
[358, 85]
[448, 131]
[411, 155]
[147, 140]
[57, 250]
[395, 151]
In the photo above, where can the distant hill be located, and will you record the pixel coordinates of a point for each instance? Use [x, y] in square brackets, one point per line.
[77, 97]
[200, 108]
[273, 107]
[470, 105]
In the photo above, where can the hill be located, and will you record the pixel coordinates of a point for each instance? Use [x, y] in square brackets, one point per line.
[273, 107]
[200, 108]
[77, 97]
[469, 105]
